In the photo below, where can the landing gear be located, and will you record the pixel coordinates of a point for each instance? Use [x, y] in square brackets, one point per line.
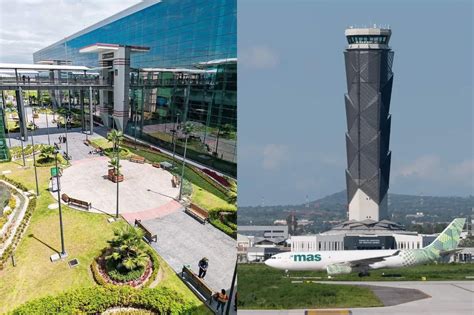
[364, 273]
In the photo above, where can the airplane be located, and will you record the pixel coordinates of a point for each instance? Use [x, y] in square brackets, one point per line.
[348, 261]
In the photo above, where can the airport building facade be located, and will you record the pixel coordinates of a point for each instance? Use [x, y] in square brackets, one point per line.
[169, 62]
[364, 235]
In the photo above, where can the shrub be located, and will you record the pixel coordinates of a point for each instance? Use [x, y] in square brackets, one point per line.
[224, 228]
[98, 299]
[12, 202]
[14, 183]
[17, 237]
[155, 263]
[187, 188]
[122, 275]
[127, 249]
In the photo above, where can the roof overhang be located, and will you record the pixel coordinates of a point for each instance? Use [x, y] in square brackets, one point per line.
[102, 47]
[39, 67]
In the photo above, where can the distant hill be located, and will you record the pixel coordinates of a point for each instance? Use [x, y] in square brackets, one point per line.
[333, 208]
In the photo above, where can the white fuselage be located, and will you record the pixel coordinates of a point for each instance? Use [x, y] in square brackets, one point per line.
[319, 260]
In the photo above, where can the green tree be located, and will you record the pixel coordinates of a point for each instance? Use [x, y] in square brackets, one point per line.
[46, 153]
[116, 137]
[128, 249]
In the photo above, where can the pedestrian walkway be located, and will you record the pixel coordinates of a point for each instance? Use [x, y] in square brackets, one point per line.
[149, 214]
[184, 241]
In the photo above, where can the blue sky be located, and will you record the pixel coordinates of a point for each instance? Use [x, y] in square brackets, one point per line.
[291, 105]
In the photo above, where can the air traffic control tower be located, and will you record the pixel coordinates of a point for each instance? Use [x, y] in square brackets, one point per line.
[369, 76]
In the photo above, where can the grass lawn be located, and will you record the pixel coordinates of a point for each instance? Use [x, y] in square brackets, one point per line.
[85, 235]
[207, 200]
[261, 287]
[189, 174]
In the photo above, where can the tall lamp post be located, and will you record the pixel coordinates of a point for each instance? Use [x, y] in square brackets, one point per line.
[117, 170]
[66, 121]
[63, 250]
[34, 155]
[187, 128]
[175, 131]
[47, 126]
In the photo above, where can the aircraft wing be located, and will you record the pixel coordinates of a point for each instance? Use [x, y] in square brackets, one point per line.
[368, 261]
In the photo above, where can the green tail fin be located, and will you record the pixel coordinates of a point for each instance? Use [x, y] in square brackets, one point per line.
[449, 238]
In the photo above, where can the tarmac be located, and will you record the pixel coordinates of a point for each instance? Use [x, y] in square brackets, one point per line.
[436, 297]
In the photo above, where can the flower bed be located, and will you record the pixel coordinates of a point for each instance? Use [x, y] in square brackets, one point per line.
[137, 283]
[149, 275]
[220, 179]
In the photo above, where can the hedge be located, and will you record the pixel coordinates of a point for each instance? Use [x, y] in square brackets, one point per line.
[18, 185]
[17, 237]
[96, 300]
[224, 228]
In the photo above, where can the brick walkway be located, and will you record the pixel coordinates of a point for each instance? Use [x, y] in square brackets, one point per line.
[149, 214]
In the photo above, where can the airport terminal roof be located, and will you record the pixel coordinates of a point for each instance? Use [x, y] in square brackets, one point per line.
[367, 226]
[25, 66]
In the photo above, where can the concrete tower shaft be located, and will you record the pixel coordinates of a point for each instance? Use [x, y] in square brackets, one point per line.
[369, 75]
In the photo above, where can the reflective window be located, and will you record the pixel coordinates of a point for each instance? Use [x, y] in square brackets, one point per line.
[197, 36]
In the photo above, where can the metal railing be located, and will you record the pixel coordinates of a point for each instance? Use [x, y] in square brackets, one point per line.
[26, 81]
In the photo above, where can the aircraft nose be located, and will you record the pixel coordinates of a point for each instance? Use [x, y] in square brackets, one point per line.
[269, 262]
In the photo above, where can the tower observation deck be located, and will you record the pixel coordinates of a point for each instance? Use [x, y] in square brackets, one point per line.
[369, 75]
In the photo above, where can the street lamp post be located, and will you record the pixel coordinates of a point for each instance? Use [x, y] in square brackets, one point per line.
[22, 150]
[182, 170]
[175, 134]
[47, 126]
[63, 251]
[117, 176]
[66, 121]
[34, 155]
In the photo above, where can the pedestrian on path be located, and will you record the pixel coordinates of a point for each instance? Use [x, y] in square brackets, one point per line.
[203, 265]
[222, 298]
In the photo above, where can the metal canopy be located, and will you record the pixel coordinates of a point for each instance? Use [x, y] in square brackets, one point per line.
[102, 47]
[41, 67]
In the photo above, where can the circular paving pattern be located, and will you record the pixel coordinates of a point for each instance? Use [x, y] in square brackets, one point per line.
[144, 187]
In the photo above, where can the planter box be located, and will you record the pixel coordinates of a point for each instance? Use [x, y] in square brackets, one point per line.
[113, 177]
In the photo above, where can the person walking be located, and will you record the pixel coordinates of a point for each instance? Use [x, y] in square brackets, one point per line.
[222, 298]
[203, 265]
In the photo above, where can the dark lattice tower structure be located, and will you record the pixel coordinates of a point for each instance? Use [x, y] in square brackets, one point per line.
[369, 76]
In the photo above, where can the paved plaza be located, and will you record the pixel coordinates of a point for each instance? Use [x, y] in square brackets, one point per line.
[184, 241]
[144, 187]
[147, 194]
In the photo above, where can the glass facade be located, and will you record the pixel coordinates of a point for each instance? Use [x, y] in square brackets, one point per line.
[189, 74]
[367, 39]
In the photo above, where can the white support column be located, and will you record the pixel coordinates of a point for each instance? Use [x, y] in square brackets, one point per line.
[91, 114]
[121, 87]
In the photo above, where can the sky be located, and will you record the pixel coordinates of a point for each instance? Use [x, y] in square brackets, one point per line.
[29, 25]
[291, 114]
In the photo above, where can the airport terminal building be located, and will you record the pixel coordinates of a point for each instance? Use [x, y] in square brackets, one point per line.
[167, 62]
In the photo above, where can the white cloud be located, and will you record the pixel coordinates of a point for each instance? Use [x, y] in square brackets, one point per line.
[260, 57]
[29, 25]
[274, 155]
[422, 167]
[432, 171]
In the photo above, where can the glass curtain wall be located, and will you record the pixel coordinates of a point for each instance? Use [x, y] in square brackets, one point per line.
[189, 74]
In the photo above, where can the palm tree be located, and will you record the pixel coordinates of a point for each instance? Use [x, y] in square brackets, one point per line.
[46, 153]
[128, 249]
[116, 137]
